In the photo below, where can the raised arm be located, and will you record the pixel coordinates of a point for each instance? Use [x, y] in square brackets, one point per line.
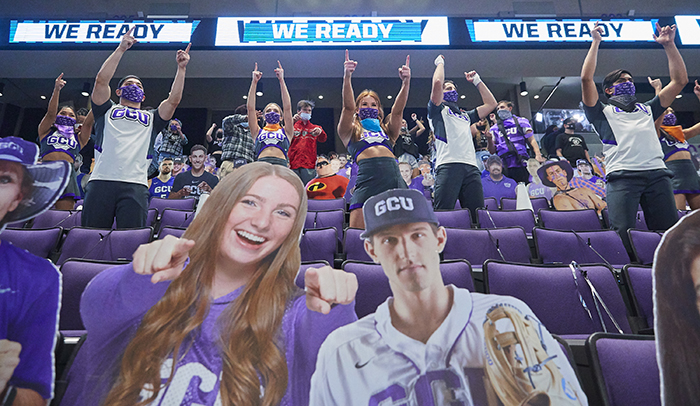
[676, 66]
[589, 92]
[286, 103]
[86, 129]
[656, 84]
[419, 128]
[168, 106]
[394, 126]
[252, 117]
[438, 80]
[101, 91]
[50, 116]
[694, 130]
[347, 114]
[210, 131]
[486, 96]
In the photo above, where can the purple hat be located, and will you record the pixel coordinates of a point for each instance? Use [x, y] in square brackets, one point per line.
[396, 206]
[50, 178]
[563, 164]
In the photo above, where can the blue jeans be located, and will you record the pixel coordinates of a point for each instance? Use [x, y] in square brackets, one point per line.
[626, 190]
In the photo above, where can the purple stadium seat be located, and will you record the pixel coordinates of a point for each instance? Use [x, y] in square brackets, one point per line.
[625, 369]
[151, 217]
[176, 218]
[454, 218]
[506, 218]
[585, 247]
[644, 244]
[36, 241]
[638, 280]
[177, 204]
[319, 244]
[577, 220]
[58, 218]
[105, 245]
[538, 203]
[478, 245]
[299, 279]
[17, 224]
[373, 285]
[552, 294]
[490, 203]
[78, 203]
[76, 275]
[354, 246]
[174, 231]
[326, 218]
[331, 204]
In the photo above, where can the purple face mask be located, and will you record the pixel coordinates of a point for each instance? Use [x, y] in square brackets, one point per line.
[624, 88]
[368, 112]
[450, 96]
[272, 117]
[65, 126]
[132, 93]
[669, 119]
[65, 120]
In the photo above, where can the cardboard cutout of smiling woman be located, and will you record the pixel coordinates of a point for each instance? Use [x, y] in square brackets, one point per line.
[558, 174]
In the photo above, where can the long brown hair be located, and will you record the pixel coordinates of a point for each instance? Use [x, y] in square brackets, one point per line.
[357, 126]
[250, 326]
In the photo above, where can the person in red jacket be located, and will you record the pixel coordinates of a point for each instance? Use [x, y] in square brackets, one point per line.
[302, 151]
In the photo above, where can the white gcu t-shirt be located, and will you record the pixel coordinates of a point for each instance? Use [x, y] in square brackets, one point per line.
[126, 135]
[370, 362]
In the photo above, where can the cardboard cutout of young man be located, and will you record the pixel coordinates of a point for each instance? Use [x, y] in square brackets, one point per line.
[431, 343]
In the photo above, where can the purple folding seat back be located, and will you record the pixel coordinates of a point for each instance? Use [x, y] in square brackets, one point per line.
[76, 276]
[644, 245]
[331, 204]
[176, 218]
[625, 369]
[326, 218]
[454, 218]
[36, 241]
[58, 218]
[105, 245]
[506, 218]
[354, 246]
[639, 280]
[577, 220]
[176, 204]
[174, 231]
[299, 279]
[478, 245]
[319, 245]
[585, 247]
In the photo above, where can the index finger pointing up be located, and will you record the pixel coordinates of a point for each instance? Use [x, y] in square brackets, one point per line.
[131, 31]
[347, 55]
[408, 59]
[256, 66]
[279, 64]
[187, 50]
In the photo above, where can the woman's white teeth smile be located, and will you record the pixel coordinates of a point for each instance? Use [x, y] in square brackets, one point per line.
[251, 237]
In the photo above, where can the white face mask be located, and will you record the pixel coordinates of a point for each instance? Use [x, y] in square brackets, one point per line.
[305, 116]
[244, 124]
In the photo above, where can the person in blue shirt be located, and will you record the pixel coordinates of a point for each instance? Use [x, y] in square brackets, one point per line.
[163, 184]
[496, 184]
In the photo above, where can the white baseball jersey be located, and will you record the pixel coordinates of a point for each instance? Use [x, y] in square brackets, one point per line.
[369, 362]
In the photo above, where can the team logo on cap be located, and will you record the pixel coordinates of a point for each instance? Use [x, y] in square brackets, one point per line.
[392, 204]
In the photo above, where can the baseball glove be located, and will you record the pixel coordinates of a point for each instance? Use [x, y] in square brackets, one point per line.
[518, 367]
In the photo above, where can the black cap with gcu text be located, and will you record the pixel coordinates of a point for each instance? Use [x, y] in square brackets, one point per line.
[396, 206]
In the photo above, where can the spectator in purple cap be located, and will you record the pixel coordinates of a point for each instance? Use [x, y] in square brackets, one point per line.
[214, 318]
[558, 174]
[125, 135]
[30, 287]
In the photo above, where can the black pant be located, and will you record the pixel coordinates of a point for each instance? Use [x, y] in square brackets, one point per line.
[518, 174]
[456, 180]
[106, 199]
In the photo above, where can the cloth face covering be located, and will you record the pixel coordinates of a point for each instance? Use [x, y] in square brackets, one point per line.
[669, 119]
[305, 116]
[65, 126]
[368, 112]
[132, 93]
[369, 119]
[504, 114]
[272, 117]
[450, 96]
[624, 96]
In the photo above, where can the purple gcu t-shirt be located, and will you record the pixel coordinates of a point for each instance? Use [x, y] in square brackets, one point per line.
[515, 137]
[30, 288]
[504, 188]
[114, 304]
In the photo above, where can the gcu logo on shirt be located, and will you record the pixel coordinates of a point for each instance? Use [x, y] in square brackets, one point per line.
[59, 142]
[393, 204]
[270, 137]
[372, 137]
[639, 107]
[140, 116]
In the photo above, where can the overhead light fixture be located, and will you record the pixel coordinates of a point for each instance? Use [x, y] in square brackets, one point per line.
[389, 96]
[86, 89]
[679, 96]
[523, 89]
[2, 88]
[259, 93]
[537, 96]
[245, 96]
[462, 97]
[42, 97]
[320, 97]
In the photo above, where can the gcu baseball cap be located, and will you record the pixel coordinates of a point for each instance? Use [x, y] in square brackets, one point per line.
[396, 206]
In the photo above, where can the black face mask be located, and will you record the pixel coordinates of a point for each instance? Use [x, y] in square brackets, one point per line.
[571, 126]
[481, 127]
